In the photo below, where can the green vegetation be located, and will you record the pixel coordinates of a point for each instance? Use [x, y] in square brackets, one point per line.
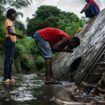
[50, 16]
[16, 3]
[20, 47]
[27, 54]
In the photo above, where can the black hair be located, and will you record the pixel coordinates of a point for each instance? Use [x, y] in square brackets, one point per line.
[10, 12]
[75, 40]
[87, 1]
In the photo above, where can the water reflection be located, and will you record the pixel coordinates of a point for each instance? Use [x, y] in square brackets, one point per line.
[30, 90]
[27, 91]
[5, 95]
[7, 87]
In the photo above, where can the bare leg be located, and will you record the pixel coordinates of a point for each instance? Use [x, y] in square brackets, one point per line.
[48, 66]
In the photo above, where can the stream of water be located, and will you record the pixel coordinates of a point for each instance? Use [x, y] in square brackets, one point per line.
[28, 90]
[31, 90]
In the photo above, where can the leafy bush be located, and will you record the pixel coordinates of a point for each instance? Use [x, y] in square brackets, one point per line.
[39, 62]
[50, 16]
[19, 50]
[2, 35]
[26, 63]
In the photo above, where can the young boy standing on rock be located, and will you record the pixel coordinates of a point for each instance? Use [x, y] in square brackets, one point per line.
[10, 41]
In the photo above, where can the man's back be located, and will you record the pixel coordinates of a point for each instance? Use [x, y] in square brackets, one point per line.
[53, 35]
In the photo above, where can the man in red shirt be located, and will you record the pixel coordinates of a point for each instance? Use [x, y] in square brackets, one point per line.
[91, 9]
[54, 40]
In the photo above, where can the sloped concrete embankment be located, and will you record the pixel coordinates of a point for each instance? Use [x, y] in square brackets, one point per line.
[92, 38]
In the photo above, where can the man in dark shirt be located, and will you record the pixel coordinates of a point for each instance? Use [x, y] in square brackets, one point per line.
[91, 9]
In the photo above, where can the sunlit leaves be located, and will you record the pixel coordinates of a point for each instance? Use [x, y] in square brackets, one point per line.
[49, 16]
[16, 3]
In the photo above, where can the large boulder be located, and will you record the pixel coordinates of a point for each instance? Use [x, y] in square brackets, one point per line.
[92, 38]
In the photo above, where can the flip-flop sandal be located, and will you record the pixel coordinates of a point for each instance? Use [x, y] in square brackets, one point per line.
[53, 82]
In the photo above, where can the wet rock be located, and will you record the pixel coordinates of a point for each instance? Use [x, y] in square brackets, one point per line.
[91, 85]
[74, 95]
[92, 38]
[101, 84]
[100, 89]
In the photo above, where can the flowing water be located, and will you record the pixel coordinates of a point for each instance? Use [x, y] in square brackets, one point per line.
[31, 90]
[28, 90]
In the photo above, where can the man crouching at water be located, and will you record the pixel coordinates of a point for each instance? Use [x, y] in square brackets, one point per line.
[54, 40]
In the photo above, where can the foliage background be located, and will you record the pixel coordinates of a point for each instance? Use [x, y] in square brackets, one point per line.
[50, 16]
[27, 57]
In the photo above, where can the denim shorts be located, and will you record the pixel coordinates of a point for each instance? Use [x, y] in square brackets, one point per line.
[92, 11]
[44, 46]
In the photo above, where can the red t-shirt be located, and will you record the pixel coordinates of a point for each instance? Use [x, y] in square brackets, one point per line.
[53, 35]
[95, 4]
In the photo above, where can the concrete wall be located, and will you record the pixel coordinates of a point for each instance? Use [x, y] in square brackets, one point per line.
[92, 37]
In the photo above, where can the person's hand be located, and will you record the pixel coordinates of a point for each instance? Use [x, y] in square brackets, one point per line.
[81, 11]
[70, 50]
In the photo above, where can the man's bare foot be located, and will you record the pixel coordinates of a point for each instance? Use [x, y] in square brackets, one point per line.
[53, 82]
[50, 80]
[12, 81]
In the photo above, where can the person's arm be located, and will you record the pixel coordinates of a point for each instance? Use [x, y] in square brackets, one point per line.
[57, 47]
[10, 31]
[63, 50]
[84, 8]
[87, 5]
